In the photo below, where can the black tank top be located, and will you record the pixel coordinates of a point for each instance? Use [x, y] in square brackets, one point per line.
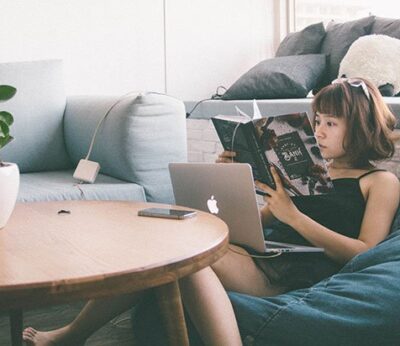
[341, 211]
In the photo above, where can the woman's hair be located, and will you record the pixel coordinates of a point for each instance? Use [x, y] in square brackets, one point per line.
[370, 123]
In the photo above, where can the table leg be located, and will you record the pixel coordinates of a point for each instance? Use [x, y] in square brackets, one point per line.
[16, 321]
[170, 303]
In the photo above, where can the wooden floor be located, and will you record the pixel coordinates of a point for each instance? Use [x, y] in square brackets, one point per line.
[118, 332]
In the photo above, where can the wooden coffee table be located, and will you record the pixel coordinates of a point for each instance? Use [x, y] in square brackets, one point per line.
[100, 249]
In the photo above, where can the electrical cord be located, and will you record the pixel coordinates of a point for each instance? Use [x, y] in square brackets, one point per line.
[104, 117]
[188, 114]
[233, 138]
[217, 95]
[109, 111]
[258, 191]
[255, 256]
[78, 185]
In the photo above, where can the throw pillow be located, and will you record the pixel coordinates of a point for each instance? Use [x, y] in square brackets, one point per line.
[386, 26]
[306, 41]
[282, 77]
[339, 38]
[374, 57]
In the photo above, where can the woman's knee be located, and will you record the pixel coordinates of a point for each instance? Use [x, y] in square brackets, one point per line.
[227, 262]
[238, 272]
[195, 279]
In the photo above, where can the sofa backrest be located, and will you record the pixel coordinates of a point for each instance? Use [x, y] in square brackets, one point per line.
[38, 109]
[135, 143]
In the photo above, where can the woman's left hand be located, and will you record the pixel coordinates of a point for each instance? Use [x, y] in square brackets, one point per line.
[279, 202]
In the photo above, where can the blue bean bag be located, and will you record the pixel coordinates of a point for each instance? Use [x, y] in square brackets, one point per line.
[360, 305]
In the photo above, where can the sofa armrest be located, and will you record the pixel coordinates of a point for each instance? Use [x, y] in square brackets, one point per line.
[136, 141]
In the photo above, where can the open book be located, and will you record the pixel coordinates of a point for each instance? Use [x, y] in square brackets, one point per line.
[285, 141]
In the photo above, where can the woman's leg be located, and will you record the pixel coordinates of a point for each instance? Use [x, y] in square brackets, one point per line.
[209, 307]
[94, 315]
[205, 299]
[239, 273]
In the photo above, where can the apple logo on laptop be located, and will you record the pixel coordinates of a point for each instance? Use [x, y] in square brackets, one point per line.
[212, 205]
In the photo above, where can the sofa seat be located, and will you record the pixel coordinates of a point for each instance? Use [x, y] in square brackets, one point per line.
[210, 108]
[60, 185]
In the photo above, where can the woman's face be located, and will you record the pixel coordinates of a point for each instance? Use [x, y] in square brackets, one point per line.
[330, 132]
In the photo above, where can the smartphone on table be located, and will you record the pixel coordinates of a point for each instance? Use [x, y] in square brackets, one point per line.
[167, 213]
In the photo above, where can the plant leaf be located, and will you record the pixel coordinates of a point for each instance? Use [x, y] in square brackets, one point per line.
[6, 118]
[6, 92]
[4, 129]
[5, 140]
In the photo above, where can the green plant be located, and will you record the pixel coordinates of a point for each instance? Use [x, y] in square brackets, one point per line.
[6, 118]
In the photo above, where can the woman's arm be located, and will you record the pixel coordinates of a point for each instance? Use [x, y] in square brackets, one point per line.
[383, 197]
[266, 216]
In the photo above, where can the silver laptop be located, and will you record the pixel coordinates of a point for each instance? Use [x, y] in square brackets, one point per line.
[228, 191]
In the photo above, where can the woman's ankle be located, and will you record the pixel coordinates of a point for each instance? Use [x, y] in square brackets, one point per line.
[70, 336]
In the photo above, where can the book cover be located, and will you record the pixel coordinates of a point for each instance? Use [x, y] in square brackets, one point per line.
[285, 141]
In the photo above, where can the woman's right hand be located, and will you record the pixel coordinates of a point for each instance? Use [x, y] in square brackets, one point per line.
[226, 157]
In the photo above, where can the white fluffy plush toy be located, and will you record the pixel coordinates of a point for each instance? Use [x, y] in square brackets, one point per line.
[376, 58]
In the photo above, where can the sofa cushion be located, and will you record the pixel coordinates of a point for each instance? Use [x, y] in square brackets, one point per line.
[338, 40]
[38, 109]
[282, 77]
[386, 26]
[357, 306]
[306, 41]
[59, 185]
[129, 142]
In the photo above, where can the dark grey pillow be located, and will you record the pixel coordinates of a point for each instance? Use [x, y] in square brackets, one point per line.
[386, 26]
[306, 41]
[338, 40]
[277, 78]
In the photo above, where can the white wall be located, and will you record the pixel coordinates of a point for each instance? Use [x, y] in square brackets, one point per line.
[112, 47]
[108, 47]
[211, 43]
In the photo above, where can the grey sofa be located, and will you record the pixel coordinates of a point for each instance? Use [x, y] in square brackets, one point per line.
[138, 139]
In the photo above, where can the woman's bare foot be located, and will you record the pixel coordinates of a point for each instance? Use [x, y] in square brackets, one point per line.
[59, 337]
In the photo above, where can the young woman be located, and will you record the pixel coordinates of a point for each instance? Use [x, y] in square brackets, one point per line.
[354, 129]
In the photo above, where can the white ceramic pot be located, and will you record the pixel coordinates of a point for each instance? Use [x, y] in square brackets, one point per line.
[9, 185]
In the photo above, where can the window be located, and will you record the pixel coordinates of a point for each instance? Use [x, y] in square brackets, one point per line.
[306, 12]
